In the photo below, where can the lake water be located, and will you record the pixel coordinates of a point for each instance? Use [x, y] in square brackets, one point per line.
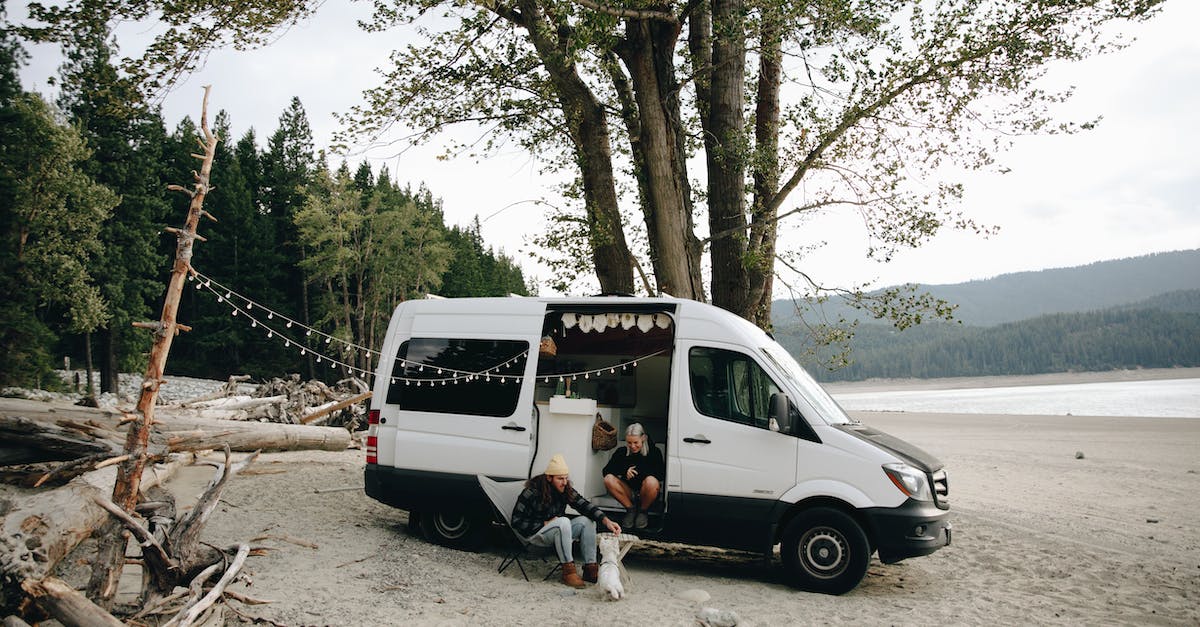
[1179, 398]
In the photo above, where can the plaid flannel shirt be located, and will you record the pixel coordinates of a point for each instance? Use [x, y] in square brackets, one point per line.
[530, 513]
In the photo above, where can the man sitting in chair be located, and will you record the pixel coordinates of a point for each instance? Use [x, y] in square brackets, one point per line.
[637, 468]
[539, 516]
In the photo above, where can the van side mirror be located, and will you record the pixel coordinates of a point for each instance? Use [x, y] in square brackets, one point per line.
[780, 414]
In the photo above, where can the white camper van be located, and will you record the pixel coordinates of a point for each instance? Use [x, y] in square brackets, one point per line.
[757, 453]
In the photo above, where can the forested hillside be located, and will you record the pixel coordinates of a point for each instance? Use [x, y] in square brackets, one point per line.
[1023, 295]
[83, 204]
[1162, 332]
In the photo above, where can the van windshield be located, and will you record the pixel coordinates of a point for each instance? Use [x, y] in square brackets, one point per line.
[831, 412]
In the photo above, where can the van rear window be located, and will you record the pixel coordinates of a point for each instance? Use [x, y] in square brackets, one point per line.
[458, 376]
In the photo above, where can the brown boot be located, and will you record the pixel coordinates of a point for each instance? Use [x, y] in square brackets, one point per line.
[570, 577]
[591, 572]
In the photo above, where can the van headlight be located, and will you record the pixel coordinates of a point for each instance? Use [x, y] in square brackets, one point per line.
[912, 482]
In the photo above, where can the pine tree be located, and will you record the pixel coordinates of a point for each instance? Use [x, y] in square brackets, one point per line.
[50, 214]
[126, 140]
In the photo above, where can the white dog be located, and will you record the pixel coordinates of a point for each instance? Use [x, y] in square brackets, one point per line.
[609, 577]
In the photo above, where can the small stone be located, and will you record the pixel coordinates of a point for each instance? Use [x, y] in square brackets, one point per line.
[1151, 520]
[714, 617]
[1078, 454]
[694, 595]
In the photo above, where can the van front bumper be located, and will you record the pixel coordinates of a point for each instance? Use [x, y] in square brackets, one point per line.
[913, 529]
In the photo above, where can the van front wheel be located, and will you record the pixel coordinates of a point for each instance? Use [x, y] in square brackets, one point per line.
[825, 550]
[453, 529]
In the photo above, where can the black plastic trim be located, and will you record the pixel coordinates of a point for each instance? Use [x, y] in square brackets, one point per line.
[892, 529]
[427, 491]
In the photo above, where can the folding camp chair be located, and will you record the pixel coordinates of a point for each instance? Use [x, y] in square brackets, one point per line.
[503, 496]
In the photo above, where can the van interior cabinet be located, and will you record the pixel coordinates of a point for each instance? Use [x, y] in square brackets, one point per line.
[565, 426]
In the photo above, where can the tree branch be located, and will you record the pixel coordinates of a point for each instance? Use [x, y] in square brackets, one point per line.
[636, 14]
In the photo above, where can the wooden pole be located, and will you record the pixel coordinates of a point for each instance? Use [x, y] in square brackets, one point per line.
[107, 567]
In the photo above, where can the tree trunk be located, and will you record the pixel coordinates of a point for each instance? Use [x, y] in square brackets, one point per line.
[648, 55]
[588, 127]
[87, 354]
[106, 570]
[763, 226]
[109, 373]
[726, 156]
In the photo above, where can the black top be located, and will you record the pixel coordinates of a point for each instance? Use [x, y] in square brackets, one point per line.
[649, 465]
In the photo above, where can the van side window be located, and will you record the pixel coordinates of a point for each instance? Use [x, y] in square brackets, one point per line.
[730, 386]
[458, 376]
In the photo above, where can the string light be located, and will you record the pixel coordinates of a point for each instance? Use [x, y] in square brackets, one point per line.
[447, 375]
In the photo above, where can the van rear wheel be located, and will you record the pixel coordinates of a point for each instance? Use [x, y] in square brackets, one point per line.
[825, 550]
[454, 529]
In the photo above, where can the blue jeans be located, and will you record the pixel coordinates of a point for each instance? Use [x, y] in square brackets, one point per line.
[561, 532]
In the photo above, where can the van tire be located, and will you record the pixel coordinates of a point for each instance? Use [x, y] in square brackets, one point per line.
[454, 529]
[825, 550]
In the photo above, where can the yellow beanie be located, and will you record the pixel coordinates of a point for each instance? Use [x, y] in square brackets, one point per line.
[557, 465]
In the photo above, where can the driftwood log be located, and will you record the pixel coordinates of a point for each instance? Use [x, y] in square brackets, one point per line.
[39, 529]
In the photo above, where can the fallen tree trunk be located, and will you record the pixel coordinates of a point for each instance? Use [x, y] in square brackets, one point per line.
[257, 436]
[32, 431]
[40, 528]
[318, 413]
[68, 605]
[25, 440]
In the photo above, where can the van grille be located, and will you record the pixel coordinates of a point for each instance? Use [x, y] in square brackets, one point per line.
[941, 489]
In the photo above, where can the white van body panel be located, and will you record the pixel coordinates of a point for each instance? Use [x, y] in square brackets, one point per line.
[721, 458]
[732, 479]
[845, 468]
[467, 444]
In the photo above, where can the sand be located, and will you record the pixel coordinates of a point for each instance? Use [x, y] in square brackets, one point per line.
[1041, 537]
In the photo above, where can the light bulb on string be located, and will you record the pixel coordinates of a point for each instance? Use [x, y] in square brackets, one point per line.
[327, 339]
[303, 351]
[254, 324]
[270, 334]
[289, 324]
[308, 333]
[235, 312]
[270, 315]
[249, 305]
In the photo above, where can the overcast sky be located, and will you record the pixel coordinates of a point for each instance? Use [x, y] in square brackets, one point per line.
[1128, 188]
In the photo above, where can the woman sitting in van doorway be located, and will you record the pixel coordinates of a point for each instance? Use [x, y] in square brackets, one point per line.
[538, 515]
[635, 470]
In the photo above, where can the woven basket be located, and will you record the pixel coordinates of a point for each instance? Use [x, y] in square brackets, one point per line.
[604, 435]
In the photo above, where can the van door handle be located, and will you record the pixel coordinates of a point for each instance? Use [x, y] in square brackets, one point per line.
[513, 427]
[698, 440]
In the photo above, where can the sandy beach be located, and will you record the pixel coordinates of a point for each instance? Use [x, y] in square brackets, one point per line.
[1041, 537]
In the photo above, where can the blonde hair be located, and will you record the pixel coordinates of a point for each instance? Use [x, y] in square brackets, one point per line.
[637, 431]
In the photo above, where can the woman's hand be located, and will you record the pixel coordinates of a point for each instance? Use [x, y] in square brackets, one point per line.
[631, 473]
[612, 526]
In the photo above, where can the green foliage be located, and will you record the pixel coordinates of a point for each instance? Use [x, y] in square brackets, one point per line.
[478, 271]
[1095, 341]
[50, 216]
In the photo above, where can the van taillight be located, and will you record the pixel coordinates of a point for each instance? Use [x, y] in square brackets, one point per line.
[372, 438]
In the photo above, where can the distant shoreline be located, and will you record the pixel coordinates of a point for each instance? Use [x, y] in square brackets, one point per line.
[1053, 378]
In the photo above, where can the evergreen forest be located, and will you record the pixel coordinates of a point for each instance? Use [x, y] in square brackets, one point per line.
[1161, 332]
[83, 255]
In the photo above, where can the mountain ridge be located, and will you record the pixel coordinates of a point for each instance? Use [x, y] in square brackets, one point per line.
[1027, 294]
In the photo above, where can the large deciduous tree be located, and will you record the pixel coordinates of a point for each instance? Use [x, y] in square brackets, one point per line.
[797, 107]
